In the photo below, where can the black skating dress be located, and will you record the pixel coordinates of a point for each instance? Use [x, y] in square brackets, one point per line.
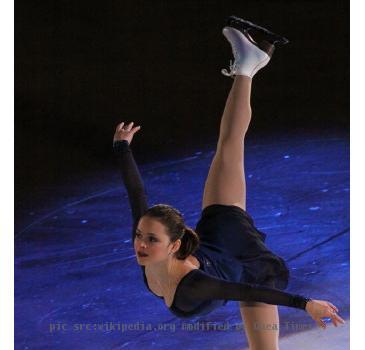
[235, 264]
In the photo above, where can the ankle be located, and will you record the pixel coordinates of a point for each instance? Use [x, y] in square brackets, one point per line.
[243, 78]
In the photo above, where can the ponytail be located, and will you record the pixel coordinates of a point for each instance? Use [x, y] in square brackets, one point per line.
[189, 243]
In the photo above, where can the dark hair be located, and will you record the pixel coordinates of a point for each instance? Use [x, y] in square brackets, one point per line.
[176, 228]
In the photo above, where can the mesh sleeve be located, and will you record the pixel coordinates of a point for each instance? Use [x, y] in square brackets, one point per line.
[201, 286]
[132, 180]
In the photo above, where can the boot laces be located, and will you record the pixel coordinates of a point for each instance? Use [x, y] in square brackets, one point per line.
[232, 66]
[232, 69]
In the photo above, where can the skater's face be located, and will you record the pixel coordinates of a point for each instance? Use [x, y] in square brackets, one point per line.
[152, 243]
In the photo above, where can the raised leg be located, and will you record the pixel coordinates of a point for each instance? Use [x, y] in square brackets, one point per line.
[261, 324]
[226, 182]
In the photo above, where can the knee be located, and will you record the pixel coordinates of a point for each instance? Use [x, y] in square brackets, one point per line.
[230, 149]
[232, 141]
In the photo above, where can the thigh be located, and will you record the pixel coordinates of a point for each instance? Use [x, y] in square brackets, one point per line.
[226, 182]
[261, 323]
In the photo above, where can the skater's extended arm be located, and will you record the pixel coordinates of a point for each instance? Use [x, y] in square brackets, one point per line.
[199, 285]
[131, 176]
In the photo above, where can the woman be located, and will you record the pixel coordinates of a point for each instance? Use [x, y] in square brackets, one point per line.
[224, 258]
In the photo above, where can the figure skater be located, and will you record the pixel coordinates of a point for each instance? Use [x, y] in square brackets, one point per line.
[225, 257]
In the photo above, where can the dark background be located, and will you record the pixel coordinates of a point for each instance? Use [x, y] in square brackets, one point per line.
[84, 66]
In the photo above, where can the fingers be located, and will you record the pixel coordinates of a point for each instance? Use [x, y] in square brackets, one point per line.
[333, 306]
[339, 319]
[120, 126]
[325, 311]
[321, 324]
[128, 127]
[334, 320]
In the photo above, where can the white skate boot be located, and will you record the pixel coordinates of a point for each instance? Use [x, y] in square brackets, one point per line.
[249, 56]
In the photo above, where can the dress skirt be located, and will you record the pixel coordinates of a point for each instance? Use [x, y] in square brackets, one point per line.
[232, 248]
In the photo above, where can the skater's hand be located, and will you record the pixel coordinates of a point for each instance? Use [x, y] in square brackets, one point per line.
[319, 309]
[126, 133]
